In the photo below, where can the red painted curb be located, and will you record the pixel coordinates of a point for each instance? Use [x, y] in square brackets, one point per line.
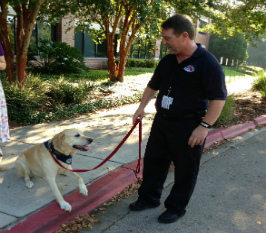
[102, 190]
[237, 129]
[260, 120]
[213, 136]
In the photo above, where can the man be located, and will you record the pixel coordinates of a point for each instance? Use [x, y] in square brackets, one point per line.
[187, 79]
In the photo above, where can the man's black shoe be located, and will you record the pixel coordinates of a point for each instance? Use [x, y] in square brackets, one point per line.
[141, 205]
[169, 217]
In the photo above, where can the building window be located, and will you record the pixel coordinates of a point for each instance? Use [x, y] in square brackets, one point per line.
[41, 30]
[88, 47]
[202, 24]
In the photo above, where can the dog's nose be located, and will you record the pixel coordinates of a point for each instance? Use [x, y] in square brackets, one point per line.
[90, 140]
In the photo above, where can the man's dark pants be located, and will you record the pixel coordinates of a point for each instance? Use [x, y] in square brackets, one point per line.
[168, 142]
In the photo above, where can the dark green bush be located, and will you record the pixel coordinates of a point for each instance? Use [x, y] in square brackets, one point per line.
[253, 70]
[145, 63]
[55, 58]
[227, 115]
[23, 104]
[151, 63]
[63, 92]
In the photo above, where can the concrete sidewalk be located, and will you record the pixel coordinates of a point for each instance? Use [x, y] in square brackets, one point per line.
[35, 210]
[230, 195]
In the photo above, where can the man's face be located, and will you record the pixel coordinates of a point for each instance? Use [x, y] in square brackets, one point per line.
[174, 43]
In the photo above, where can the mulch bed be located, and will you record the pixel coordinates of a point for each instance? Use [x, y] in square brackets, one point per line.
[248, 106]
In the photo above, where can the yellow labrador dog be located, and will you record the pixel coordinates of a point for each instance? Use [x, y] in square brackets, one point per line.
[38, 161]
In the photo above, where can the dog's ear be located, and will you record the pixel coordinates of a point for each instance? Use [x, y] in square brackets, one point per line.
[58, 139]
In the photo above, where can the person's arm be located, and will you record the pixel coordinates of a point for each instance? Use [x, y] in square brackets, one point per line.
[147, 96]
[199, 134]
[2, 63]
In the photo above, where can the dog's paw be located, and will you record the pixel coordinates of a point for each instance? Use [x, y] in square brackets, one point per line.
[83, 190]
[29, 184]
[65, 206]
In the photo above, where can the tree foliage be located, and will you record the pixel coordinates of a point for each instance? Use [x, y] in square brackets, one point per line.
[257, 55]
[233, 48]
[228, 17]
[143, 17]
[128, 18]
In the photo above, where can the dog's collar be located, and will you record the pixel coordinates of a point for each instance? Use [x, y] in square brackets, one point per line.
[59, 156]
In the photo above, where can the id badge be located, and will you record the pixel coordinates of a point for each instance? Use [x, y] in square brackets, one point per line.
[167, 101]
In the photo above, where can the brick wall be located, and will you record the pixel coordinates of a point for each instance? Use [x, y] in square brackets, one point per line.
[69, 36]
[203, 39]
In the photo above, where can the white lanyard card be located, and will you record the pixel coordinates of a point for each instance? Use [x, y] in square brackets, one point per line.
[167, 101]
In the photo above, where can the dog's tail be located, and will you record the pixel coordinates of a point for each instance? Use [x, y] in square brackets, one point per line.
[7, 167]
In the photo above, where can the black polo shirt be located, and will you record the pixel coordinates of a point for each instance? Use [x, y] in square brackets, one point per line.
[193, 82]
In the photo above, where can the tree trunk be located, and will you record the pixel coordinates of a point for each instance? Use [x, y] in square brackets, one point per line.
[122, 65]
[111, 57]
[20, 35]
[25, 23]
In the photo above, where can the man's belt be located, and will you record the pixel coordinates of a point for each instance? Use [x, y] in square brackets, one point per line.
[199, 114]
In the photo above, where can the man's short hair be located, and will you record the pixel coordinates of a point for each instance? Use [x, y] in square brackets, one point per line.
[180, 23]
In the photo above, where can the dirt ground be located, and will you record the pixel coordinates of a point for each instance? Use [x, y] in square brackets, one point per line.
[248, 106]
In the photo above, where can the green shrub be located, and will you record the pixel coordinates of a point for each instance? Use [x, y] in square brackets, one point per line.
[259, 84]
[63, 92]
[254, 70]
[227, 115]
[23, 104]
[55, 58]
[145, 63]
[151, 63]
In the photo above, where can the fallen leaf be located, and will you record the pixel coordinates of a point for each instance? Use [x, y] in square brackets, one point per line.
[234, 146]
[109, 203]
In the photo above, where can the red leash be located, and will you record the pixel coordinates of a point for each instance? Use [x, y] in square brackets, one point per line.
[138, 121]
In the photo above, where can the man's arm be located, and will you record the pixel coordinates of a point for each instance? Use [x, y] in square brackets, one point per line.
[147, 96]
[2, 63]
[199, 134]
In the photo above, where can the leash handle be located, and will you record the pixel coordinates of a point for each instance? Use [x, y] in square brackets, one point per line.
[138, 121]
[140, 141]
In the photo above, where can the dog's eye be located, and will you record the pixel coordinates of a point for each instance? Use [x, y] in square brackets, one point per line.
[78, 135]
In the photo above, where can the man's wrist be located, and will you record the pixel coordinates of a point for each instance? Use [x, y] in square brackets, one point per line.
[205, 125]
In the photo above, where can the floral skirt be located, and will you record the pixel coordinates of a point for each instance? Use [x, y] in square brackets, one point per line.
[4, 128]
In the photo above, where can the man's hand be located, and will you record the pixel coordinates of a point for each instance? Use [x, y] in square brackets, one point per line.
[139, 113]
[198, 136]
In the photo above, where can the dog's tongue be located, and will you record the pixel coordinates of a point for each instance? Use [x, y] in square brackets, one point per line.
[87, 148]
